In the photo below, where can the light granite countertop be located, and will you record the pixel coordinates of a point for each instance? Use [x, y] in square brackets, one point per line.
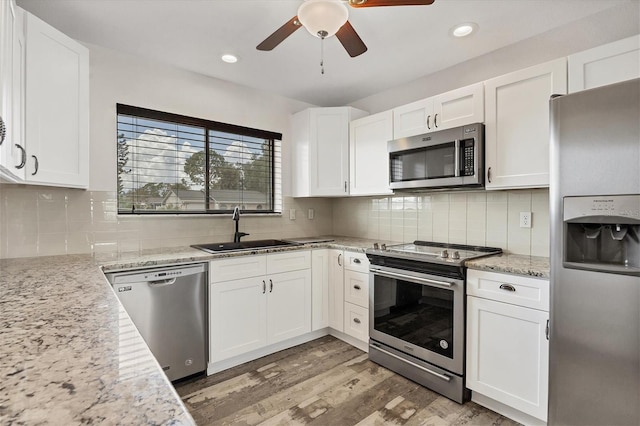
[533, 266]
[71, 355]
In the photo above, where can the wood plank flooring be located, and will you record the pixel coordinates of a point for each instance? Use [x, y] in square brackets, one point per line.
[322, 382]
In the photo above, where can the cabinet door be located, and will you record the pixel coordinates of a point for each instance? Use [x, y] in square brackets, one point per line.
[607, 64]
[368, 155]
[413, 119]
[12, 50]
[329, 151]
[336, 290]
[57, 107]
[517, 125]
[237, 317]
[508, 354]
[288, 305]
[320, 289]
[459, 107]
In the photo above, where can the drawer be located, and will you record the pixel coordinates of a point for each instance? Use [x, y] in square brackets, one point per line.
[356, 321]
[356, 288]
[515, 289]
[288, 261]
[235, 268]
[357, 262]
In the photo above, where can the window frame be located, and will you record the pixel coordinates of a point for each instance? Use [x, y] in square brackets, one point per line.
[208, 125]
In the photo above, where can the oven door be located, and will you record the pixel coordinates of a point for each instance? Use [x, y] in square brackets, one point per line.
[419, 314]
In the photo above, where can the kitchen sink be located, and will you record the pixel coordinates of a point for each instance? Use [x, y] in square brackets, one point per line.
[242, 245]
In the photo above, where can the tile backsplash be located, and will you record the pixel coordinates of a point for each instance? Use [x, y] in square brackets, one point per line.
[42, 221]
[485, 218]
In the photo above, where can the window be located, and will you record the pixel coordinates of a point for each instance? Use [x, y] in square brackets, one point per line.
[170, 164]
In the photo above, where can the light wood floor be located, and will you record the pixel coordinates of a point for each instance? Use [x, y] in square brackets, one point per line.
[323, 382]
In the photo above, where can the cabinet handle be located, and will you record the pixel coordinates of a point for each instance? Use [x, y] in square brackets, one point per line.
[23, 156]
[435, 121]
[270, 286]
[546, 331]
[36, 164]
[356, 320]
[3, 131]
[339, 256]
[357, 287]
[428, 119]
[356, 260]
[507, 287]
[345, 186]
[264, 287]
[489, 174]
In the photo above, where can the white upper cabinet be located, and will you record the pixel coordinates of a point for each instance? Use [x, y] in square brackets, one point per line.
[459, 107]
[517, 125]
[606, 64]
[451, 109]
[57, 107]
[13, 156]
[368, 158]
[321, 151]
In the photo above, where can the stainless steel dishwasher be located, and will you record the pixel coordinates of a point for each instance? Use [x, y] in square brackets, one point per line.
[168, 306]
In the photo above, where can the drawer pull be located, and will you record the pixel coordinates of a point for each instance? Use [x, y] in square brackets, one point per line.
[356, 320]
[356, 261]
[507, 287]
[357, 287]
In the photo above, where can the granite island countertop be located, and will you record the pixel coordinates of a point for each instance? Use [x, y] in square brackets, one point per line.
[70, 353]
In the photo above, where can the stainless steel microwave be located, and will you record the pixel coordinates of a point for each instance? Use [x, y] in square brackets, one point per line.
[451, 158]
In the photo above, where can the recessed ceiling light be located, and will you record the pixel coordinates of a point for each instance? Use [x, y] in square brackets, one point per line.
[229, 58]
[463, 30]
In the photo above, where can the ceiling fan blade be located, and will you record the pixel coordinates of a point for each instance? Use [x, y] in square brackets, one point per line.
[350, 40]
[375, 3]
[280, 34]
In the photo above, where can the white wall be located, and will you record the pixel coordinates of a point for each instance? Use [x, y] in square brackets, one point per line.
[39, 221]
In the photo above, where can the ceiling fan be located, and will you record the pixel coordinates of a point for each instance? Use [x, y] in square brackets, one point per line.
[324, 18]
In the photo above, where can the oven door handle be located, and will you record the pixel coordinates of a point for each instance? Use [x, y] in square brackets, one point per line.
[413, 364]
[411, 278]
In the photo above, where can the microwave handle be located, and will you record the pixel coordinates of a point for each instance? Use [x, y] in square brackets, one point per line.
[457, 157]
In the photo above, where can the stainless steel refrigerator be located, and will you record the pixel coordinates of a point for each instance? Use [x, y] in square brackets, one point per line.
[594, 360]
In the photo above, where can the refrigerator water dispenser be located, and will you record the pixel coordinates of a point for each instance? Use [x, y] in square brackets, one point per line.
[602, 233]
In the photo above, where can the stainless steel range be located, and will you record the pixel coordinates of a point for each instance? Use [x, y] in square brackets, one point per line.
[417, 312]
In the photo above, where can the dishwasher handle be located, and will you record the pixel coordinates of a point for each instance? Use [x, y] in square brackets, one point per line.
[162, 283]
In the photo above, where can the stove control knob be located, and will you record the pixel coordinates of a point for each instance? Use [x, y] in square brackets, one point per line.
[444, 254]
[455, 255]
[376, 246]
[384, 246]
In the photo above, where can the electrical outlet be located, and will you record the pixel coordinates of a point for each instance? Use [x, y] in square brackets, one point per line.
[525, 219]
[292, 214]
[310, 214]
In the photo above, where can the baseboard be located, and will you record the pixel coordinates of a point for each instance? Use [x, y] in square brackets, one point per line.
[505, 410]
[215, 367]
[363, 346]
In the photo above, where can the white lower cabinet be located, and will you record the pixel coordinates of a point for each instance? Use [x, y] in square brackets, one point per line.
[251, 312]
[320, 288]
[356, 321]
[336, 290]
[507, 346]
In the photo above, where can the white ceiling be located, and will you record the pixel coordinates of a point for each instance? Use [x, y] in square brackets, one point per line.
[405, 42]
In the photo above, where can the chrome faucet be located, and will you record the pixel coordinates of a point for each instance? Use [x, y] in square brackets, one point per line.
[236, 217]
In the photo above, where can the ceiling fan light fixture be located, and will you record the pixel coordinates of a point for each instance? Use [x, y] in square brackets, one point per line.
[323, 18]
[464, 29]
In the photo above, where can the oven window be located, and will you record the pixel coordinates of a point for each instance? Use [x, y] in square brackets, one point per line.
[425, 163]
[418, 314]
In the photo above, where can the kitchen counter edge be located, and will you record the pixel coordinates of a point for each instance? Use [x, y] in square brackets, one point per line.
[517, 264]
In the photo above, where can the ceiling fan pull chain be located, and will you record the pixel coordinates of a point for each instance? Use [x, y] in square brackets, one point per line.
[322, 56]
